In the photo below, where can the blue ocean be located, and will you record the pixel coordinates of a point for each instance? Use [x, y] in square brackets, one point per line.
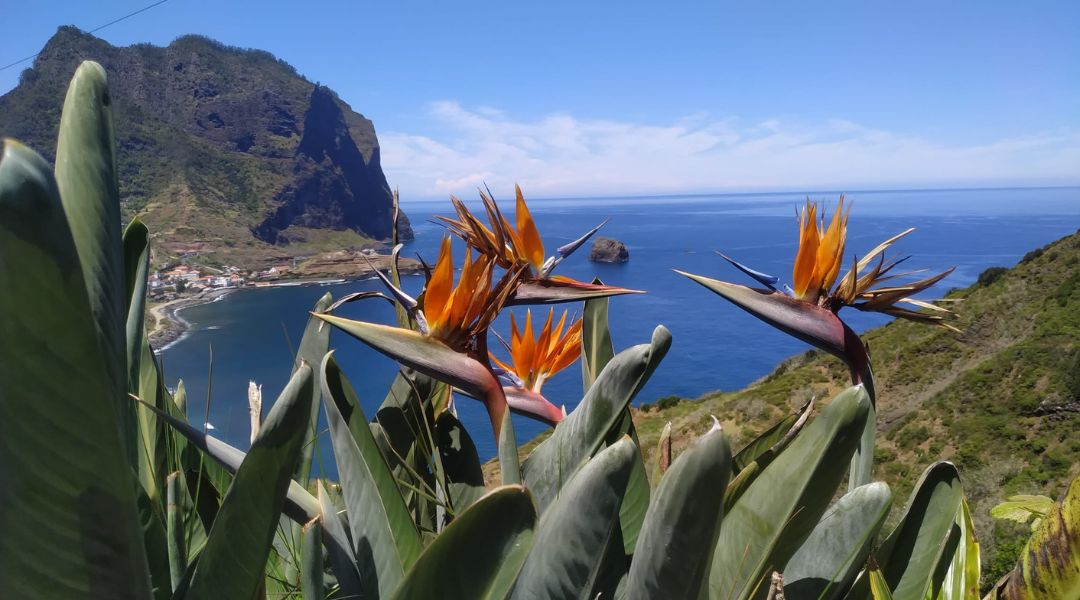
[251, 333]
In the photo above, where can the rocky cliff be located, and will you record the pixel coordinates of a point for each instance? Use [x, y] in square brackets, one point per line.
[223, 151]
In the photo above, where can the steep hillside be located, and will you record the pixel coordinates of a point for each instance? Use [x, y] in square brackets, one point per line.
[1001, 399]
[226, 152]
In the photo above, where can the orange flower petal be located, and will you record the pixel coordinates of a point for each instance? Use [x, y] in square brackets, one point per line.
[805, 260]
[437, 294]
[528, 350]
[831, 250]
[532, 247]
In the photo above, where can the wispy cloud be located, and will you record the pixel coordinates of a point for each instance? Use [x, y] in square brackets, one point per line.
[561, 155]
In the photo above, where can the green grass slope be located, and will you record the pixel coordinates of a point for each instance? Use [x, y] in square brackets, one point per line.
[1001, 399]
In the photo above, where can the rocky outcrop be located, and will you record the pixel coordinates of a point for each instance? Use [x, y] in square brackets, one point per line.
[609, 251]
[333, 186]
[255, 147]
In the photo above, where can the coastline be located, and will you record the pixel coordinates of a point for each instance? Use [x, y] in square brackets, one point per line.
[166, 327]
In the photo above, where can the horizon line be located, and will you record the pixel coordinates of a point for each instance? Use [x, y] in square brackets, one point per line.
[616, 196]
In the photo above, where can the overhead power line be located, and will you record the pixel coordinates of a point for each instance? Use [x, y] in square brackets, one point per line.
[95, 30]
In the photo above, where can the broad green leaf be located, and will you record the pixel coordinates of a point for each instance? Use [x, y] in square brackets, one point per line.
[962, 579]
[300, 505]
[915, 555]
[574, 534]
[136, 266]
[1049, 566]
[764, 528]
[597, 351]
[232, 563]
[680, 529]
[151, 439]
[636, 499]
[478, 555]
[1024, 508]
[584, 431]
[67, 497]
[460, 462]
[311, 561]
[828, 562]
[761, 451]
[509, 464]
[399, 423]
[385, 540]
[762, 443]
[862, 462]
[596, 347]
[313, 347]
[87, 181]
[879, 588]
[338, 550]
[174, 523]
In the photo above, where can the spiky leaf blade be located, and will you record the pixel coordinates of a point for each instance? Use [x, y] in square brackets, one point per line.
[67, 503]
[681, 527]
[232, 563]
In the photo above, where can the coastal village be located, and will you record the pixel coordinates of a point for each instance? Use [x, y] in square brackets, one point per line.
[181, 282]
[182, 279]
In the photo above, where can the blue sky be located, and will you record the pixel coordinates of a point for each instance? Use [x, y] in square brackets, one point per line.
[591, 98]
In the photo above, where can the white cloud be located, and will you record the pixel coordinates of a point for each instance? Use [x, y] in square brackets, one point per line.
[560, 155]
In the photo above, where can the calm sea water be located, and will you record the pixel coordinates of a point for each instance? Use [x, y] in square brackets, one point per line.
[716, 346]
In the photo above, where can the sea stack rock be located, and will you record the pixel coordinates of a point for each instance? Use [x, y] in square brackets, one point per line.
[609, 251]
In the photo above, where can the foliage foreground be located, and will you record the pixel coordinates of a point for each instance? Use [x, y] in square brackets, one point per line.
[107, 491]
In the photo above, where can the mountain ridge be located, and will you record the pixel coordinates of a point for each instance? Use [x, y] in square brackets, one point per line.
[216, 147]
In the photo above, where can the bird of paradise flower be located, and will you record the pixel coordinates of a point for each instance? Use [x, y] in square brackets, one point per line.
[808, 311]
[449, 341]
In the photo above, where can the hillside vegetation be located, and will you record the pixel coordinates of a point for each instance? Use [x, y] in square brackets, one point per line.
[1001, 399]
[223, 152]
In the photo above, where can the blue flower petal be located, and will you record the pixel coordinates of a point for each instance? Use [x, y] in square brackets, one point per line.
[762, 278]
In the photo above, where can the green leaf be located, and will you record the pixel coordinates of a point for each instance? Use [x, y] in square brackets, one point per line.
[1024, 508]
[232, 563]
[338, 550]
[509, 464]
[575, 533]
[681, 527]
[313, 347]
[636, 500]
[460, 462]
[86, 178]
[136, 266]
[584, 431]
[67, 498]
[385, 540]
[174, 526]
[311, 561]
[596, 347]
[497, 532]
[764, 528]
[1049, 566]
[151, 440]
[962, 579]
[879, 588]
[915, 555]
[300, 505]
[828, 562]
[762, 443]
[597, 351]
